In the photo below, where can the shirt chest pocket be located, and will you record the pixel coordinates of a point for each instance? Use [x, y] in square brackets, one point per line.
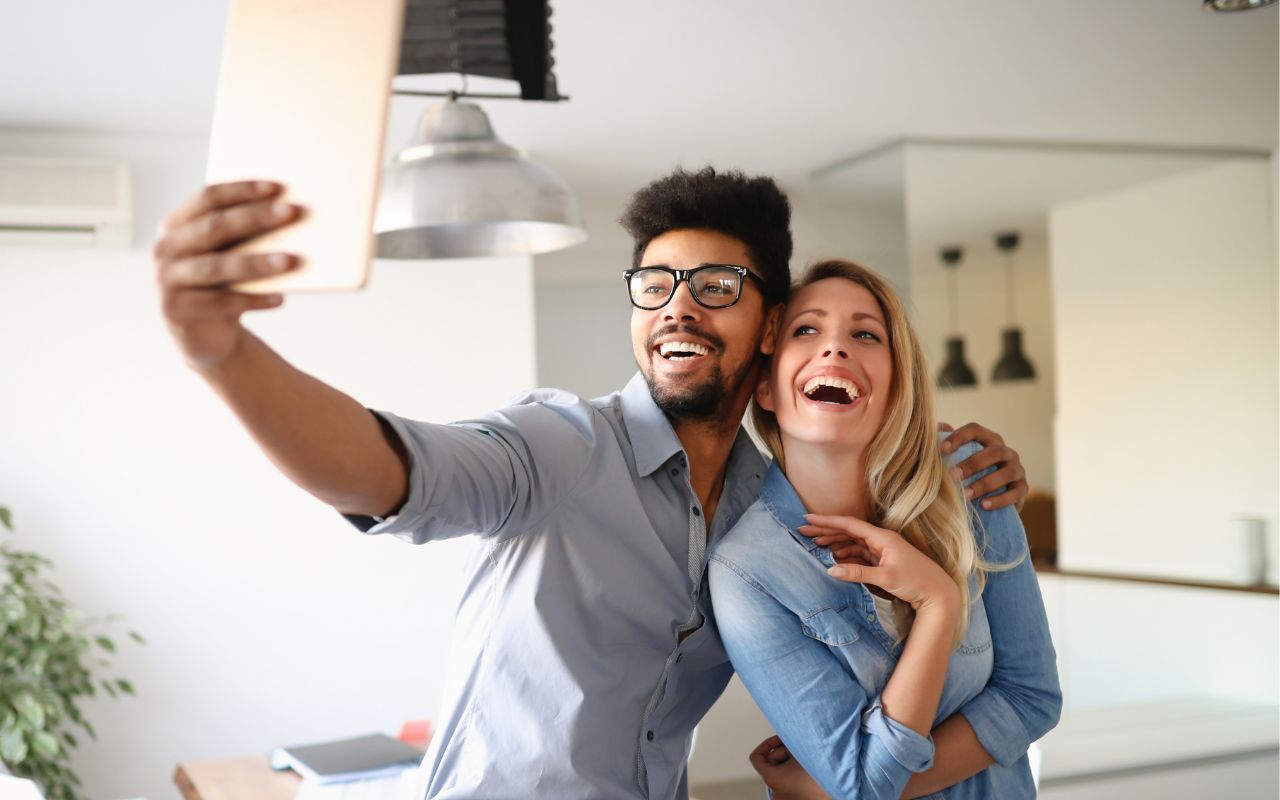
[977, 639]
[831, 626]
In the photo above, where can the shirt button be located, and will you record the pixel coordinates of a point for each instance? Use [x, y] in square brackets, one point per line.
[697, 512]
[683, 462]
[675, 472]
[871, 618]
[649, 736]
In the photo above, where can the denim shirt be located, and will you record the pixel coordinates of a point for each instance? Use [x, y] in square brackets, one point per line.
[812, 652]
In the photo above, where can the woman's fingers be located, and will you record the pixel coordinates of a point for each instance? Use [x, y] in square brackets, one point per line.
[861, 573]
[857, 528]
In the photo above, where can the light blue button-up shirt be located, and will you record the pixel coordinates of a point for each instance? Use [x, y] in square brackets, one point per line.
[585, 651]
[812, 652]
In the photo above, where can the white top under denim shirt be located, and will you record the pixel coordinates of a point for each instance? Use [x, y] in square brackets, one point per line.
[585, 650]
[812, 651]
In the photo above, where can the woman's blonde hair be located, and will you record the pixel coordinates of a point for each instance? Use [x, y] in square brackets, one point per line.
[908, 484]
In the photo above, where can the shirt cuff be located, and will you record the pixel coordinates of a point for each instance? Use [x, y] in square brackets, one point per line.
[997, 726]
[913, 751]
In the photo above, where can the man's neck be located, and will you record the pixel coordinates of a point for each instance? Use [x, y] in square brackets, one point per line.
[829, 480]
[708, 444]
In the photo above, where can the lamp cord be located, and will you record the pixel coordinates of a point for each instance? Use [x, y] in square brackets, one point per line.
[955, 309]
[1008, 285]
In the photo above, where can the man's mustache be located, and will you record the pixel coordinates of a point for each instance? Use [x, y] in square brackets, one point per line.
[693, 330]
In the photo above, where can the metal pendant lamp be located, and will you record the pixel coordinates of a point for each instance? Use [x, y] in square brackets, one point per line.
[956, 371]
[1013, 364]
[457, 191]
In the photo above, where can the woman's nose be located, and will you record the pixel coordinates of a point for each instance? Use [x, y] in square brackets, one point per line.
[832, 352]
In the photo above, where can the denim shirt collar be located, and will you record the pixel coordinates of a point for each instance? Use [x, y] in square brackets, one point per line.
[785, 505]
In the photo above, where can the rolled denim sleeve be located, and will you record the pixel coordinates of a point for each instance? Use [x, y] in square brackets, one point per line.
[821, 712]
[1023, 698]
[494, 476]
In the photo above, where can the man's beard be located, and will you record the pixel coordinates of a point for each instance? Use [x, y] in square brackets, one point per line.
[698, 402]
[706, 400]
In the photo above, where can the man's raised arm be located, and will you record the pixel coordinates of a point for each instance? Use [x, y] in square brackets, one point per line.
[320, 438]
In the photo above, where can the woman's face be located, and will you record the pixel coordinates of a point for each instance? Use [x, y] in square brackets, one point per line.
[832, 369]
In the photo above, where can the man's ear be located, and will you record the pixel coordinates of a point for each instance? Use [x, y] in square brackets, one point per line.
[764, 395]
[772, 322]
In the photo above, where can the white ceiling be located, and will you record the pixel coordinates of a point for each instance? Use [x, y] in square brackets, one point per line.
[771, 86]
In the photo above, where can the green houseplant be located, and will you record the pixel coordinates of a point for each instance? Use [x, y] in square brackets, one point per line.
[51, 659]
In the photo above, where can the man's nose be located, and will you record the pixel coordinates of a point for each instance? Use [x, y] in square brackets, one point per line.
[682, 305]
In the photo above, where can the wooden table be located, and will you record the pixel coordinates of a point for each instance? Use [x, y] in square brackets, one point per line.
[235, 779]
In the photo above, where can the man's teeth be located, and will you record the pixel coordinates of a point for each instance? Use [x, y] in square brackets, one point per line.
[682, 349]
[837, 383]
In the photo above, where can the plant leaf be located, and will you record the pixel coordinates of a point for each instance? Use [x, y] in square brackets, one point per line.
[45, 745]
[125, 686]
[13, 748]
[105, 644]
[6, 517]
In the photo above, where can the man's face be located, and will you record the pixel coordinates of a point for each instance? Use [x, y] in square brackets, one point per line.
[709, 362]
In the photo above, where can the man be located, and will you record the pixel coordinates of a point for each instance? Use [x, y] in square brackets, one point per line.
[586, 650]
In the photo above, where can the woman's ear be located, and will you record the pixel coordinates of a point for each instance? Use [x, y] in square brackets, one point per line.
[772, 322]
[764, 395]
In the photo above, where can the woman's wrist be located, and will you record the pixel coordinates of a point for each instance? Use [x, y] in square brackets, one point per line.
[942, 603]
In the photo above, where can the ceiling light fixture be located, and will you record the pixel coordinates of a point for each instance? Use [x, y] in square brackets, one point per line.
[955, 372]
[457, 191]
[1013, 365]
[1235, 5]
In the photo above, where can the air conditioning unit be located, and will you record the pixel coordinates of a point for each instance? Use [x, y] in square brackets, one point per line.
[64, 202]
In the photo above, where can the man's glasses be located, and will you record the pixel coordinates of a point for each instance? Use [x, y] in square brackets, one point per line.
[712, 285]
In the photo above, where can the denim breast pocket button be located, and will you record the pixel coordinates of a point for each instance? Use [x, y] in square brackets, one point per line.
[829, 626]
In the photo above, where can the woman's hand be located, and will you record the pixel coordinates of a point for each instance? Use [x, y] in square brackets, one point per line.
[783, 774]
[883, 558]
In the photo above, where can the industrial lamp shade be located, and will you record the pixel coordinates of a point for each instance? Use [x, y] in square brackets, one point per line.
[1013, 364]
[459, 192]
[956, 372]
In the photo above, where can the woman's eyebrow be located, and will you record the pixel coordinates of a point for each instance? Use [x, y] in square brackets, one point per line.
[860, 316]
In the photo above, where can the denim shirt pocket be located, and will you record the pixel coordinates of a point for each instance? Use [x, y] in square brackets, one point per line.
[977, 639]
[830, 626]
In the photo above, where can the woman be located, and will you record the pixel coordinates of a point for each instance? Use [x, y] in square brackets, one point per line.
[922, 663]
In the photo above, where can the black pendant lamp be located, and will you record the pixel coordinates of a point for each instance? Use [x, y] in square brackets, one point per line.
[955, 372]
[1013, 364]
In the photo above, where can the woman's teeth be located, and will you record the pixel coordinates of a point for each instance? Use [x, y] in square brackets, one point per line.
[820, 388]
[682, 349]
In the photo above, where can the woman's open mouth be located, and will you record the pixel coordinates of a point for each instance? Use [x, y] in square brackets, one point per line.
[831, 390]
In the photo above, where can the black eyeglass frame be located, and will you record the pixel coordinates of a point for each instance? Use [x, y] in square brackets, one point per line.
[685, 275]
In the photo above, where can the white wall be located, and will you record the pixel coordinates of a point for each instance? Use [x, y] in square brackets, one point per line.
[1165, 324]
[269, 620]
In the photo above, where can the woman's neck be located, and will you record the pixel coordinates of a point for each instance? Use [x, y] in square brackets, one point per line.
[829, 480]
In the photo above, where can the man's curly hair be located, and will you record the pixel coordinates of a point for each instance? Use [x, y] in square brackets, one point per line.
[751, 210]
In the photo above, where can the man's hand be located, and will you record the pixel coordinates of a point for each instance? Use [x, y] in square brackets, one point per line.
[783, 774]
[195, 274]
[1008, 474]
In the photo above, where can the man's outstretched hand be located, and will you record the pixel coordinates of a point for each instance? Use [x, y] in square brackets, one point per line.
[1008, 474]
[195, 273]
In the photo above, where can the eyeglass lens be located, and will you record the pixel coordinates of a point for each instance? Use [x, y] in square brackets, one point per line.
[713, 286]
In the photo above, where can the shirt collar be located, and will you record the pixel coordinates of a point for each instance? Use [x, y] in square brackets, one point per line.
[785, 505]
[654, 441]
[652, 438]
